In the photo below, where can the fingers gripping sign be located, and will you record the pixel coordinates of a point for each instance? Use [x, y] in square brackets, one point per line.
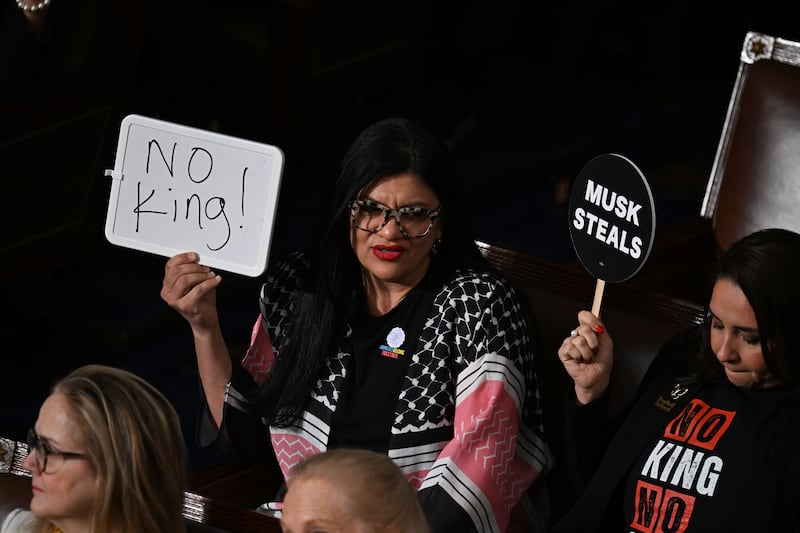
[587, 356]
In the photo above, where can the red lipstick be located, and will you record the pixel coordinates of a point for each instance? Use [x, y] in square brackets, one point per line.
[388, 253]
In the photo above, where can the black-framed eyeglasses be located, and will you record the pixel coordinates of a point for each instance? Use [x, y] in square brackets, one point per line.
[47, 456]
[413, 222]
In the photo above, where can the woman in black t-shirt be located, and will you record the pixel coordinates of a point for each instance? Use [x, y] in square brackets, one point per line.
[709, 442]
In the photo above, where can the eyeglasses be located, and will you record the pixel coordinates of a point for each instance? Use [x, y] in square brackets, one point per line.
[413, 222]
[48, 457]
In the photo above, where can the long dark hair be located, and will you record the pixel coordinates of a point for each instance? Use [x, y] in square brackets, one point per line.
[764, 266]
[320, 315]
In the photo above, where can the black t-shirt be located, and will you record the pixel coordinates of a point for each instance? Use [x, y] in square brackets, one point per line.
[382, 347]
[708, 470]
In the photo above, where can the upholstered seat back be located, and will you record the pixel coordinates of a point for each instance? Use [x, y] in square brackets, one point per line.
[755, 180]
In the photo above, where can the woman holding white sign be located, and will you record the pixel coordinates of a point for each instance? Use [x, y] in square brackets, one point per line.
[710, 441]
[392, 335]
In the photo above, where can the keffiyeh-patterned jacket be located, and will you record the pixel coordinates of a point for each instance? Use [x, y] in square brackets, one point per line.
[467, 429]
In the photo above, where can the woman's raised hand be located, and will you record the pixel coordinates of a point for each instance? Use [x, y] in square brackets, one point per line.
[190, 289]
[588, 356]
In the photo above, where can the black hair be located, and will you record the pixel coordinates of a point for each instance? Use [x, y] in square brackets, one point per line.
[764, 266]
[320, 312]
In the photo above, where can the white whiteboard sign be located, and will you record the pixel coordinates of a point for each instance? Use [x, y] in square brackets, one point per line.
[179, 189]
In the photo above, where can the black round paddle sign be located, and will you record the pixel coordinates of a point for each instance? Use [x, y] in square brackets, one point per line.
[611, 218]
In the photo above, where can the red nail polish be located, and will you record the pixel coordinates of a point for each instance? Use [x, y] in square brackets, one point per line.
[598, 329]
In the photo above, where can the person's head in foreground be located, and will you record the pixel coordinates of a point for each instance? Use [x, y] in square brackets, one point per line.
[353, 491]
[106, 455]
[755, 309]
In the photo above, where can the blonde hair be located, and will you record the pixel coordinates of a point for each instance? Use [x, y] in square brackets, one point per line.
[133, 438]
[375, 488]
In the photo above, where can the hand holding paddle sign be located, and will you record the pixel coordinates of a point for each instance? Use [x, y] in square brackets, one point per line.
[611, 220]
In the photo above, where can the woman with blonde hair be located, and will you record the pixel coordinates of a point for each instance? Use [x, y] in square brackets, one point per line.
[351, 490]
[106, 456]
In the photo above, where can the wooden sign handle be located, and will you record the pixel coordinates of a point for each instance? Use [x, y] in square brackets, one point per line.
[598, 297]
